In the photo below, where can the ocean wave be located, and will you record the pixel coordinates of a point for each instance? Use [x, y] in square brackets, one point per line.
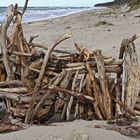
[41, 13]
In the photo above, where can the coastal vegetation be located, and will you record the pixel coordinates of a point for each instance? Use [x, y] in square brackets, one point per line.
[103, 23]
[135, 4]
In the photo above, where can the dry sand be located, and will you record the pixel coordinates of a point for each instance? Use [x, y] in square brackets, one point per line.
[82, 26]
[66, 131]
[106, 38]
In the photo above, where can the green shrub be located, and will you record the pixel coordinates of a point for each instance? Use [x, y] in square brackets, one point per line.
[134, 4]
[103, 23]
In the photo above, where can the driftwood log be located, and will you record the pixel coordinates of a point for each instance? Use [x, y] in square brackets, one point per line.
[131, 74]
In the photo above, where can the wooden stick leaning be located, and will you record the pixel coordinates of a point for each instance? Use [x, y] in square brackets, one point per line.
[37, 87]
[107, 101]
[61, 101]
[25, 6]
[72, 98]
[3, 37]
[131, 75]
[72, 93]
[55, 82]
[98, 103]
[77, 108]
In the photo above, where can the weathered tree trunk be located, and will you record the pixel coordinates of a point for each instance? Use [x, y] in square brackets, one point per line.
[107, 101]
[131, 74]
[3, 40]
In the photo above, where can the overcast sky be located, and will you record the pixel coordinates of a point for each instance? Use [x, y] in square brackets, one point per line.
[53, 2]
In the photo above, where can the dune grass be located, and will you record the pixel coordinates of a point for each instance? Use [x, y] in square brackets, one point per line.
[134, 4]
[103, 23]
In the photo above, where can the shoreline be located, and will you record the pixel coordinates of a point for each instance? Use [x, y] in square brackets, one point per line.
[83, 27]
[65, 15]
[50, 13]
[51, 18]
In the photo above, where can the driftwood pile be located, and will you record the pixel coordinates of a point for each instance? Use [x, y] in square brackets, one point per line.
[39, 82]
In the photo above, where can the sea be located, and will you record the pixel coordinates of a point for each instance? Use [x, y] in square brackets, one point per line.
[43, 13]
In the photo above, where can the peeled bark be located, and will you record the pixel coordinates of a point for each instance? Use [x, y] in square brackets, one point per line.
[3, 40]
[131, 75]
[107, 101]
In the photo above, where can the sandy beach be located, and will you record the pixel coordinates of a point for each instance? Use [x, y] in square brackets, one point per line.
[85, 32]
[83, 27]
[66, 131]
